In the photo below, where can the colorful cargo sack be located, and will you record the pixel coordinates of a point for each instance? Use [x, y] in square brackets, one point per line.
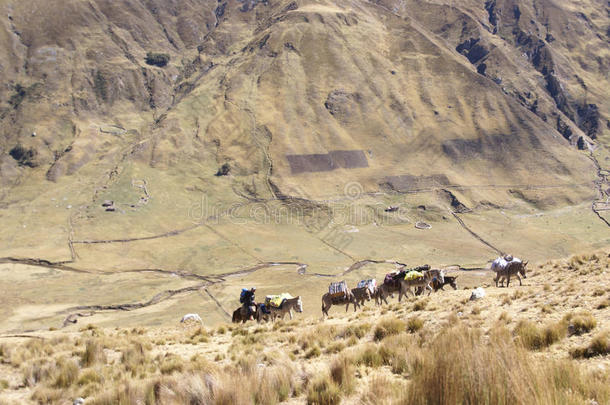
[413, 274]
[371, 284]
[338, 289]
[394, 278]
[276, 301]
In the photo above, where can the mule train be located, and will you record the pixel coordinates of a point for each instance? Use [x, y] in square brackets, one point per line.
[403, 282]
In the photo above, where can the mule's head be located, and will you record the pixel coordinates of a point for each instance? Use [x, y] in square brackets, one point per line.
[299, 305]
[522, 269]
[453, 282]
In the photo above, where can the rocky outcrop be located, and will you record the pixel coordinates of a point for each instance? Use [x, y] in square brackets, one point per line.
[342, 105]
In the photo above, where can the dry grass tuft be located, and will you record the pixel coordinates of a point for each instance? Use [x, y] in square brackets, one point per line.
[534, 337]
[599, 346]
[388, 327]
[342, 373]
[323, 391]
[580, 323]
[499, 372]
[93, 354]
[420, 305]
[414, 324]
[369, 356]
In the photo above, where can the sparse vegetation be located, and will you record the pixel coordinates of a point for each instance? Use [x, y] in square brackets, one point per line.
[24, 156]
[535, 337]
[388, 327]
[328, 362]
[498, 372]
[157, 59]
[101, 86]
[323, 391]
[414, 324]
[580, 323]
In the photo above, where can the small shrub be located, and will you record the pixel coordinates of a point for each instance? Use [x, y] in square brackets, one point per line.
[335, 347]
[89, 376]
[476, 310]
[67, 373]
[452, 319]
[420, 305]
[382, 390]
[604, 304]
[157, 59]
[134, 357]
[44, 395]
[24, 156]
[534, 337]
[414, 324]
[171, 364]
[342, 373]
[504, 317]
[313, 352]
[93, 354]
[358, 330]
[323, 391]
[580, 323]
[599, 346]
[369, 356]
[599, 292]
[388, 327]
[546, 308]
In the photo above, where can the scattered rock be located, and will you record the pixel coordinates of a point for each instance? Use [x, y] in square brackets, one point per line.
[422, 225]
[107, 203]
[477, 293]
[78, 401]
[341, 104]
[392, 208]
[224, 170]
[190, 318]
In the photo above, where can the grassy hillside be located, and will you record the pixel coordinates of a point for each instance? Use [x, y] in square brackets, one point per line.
[544, 342]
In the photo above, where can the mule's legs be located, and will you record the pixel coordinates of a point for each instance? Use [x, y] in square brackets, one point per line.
[289, 313]
[519, 278]
[325, 308]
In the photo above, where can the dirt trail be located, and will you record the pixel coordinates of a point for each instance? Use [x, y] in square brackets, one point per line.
[599, 187]
[475, 235]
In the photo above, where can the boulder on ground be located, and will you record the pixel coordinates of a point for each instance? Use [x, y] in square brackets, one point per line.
[477, 293]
